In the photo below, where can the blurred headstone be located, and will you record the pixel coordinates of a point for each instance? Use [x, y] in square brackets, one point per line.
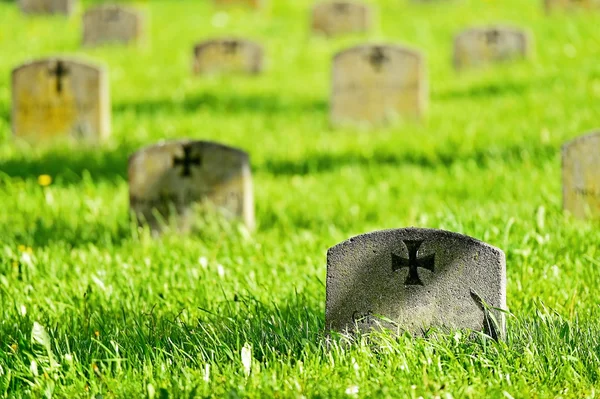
[243, 3]
[181, 180]
[414, 279]
[571, 4]
[229, 55]
[487, 45]
[581, 176]
[106, 24]
[60, 97]
[341, 17]
[65, 7]
[376, 84]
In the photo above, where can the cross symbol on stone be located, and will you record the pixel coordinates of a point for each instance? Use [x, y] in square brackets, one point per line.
[59, 72]
[413, 263]
[187, 161]
[111, 15]
[341, 8]
[231, 46]
[492, 36]
[377, 57]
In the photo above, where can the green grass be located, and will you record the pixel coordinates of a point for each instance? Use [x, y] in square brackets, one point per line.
[125, 315]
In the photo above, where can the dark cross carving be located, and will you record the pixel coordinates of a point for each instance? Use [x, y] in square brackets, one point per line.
[377, 58]
[413, 263]
[492, 36]
[231, 46]
[187, 161]
[111, 15]
[342, 8]
[59, 72]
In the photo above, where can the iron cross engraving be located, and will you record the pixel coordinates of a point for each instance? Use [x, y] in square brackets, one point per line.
[341, 8]
[59, 72]
[492, 37]
[187, 161]
[413, 263]
[377, 58]
[231, 46]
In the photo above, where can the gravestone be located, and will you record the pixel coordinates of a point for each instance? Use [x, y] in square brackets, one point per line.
[112, 24]
[229, 55]
[413, 279]
[341, 17]
[180, 180]
[487, 45]
[375, 84]
[60, 97]
[581, 176]
[571, 4]
[65, 7]
[243, 3]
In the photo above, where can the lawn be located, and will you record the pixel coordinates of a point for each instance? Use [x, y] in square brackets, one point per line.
[92, 306]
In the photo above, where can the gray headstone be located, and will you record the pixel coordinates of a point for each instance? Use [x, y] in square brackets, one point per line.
[414, 279]
[378, 84]
[60, 96]
[341, 17]
[228, 55]
[581, 176]
[571, 4]
[179, 181]
[491, 44]
[112, 23]
[65, 7]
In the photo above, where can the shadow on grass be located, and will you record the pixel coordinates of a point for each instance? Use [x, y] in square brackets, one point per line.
[229, 103]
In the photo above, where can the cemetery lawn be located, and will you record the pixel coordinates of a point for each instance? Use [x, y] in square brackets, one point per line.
[92, 306]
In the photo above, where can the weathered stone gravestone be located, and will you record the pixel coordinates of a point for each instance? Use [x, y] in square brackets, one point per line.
[228, 56]
[112, 24]
[375, 84]
[414, 279]
[341, 17]
[244, 3]
[481, 46]
[65, 7]
[181, 180]
[571, 4]
[60, 97]
[581, 176]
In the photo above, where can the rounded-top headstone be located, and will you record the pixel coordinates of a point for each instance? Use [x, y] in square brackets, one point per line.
[490, 44]
[182, 180]
[65, 7]
[414, 279]
[228, 55]
[377, 84]
[112, 23]
[341, 17]
[60, 96]
[581, 176]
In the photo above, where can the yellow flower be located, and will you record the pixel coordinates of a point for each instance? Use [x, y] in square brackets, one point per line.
[97, 334]
[21, 248]
[44, 180]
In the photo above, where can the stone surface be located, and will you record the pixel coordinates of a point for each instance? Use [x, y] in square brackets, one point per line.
[180, 180]
[244, 3]
[341, 17]
[377, 84]
[229, 55]
[571, 4]
[65, 7]
[112, 24]
[493, 44]
[581, 176]
[60, 97]
[414, 279]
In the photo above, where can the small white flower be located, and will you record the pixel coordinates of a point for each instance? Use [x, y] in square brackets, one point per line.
[33, 367]
[352, 390]
[247, 358]
[69, 358]
[220, 270]
[203, 262]
[23, 310]
[206, 372]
